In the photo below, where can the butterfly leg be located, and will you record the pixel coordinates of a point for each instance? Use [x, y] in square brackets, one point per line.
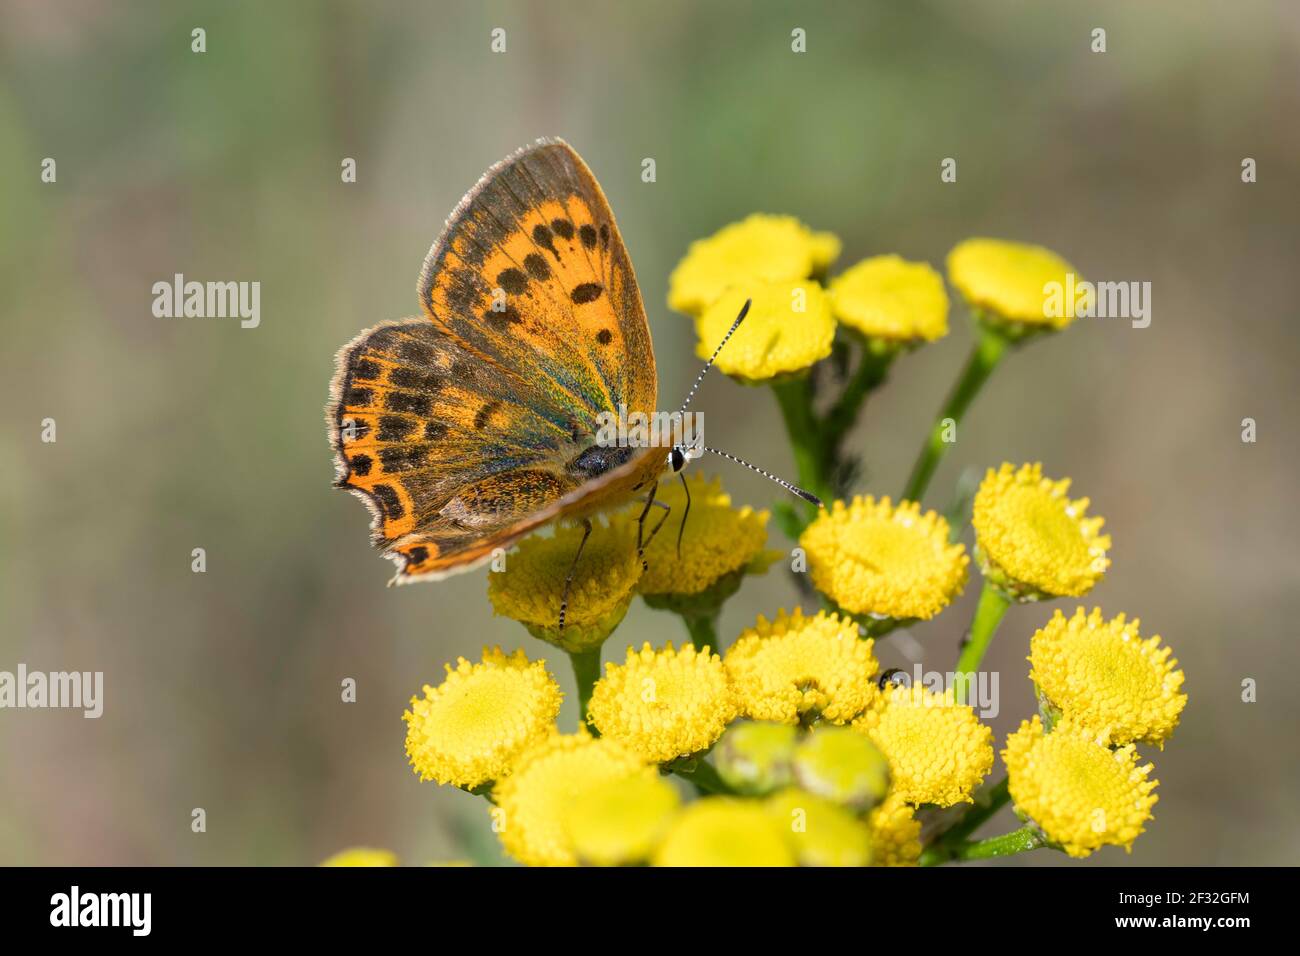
[681, 529]
[564, 598]
[640, 548]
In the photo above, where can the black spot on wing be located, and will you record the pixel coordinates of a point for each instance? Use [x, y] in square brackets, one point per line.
[513, 281]
[395, 428]
[604, 336]
[537, 267]
[410, 402]
[587, 292]
[360, 465]
[366, 369]
[563, 228]
[588, 235]
[543, 237]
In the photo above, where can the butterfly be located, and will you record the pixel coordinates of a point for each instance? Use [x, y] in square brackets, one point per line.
[473, 425]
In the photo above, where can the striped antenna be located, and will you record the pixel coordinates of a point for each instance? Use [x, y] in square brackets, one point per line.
[744, 310]
[793, 489]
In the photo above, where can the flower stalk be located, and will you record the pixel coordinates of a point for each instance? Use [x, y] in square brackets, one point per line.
[586, 671]
[990, 346]
[989, 612]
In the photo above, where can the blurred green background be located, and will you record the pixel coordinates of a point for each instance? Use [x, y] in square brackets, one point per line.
[222, 689]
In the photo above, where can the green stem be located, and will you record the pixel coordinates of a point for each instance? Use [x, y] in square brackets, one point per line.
[801, 425]
[988, 615]
[984, 358]
[987, 804]
[586, 671]
[703, 630]
[1017, 841]
[703, 776]
[871, 371]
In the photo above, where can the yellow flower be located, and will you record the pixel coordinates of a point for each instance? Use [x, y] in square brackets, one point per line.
[362, 856]
[532, 802]
[821, 833]
[871, 557]
[531, 587]
[468, 729]
[664, 704]
[1102, 674]
[938, 750]
[895, 833]
[1011, 282]
[1080, 793]
[789, 327]
[761, 248]
[1032, 541]
[799, 667]
[724, 831]
[718, 540]
[620, 821]
[843, 766]
[892, 300]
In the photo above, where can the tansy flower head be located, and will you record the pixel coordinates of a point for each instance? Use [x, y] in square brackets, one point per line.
[1009, 283]
[842, 766]
[761, 248]
[620, 822]
[895, 833]
[468, 729]
[724, 831]
[1032, 541]
[800, 668]
[664, 704]
[821, 833]
[547, 777]
[531, 587]
[891, 300]
[756, 757]
[1079, 792]
[871, 557]
[719, 542]
[789, 327]
[1102, 674]
[938, 750]
[362, 856]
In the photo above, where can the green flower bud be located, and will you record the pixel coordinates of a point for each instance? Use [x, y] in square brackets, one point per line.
[754, 757]
[842, 765]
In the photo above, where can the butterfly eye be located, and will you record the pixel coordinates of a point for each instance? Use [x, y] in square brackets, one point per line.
[676, 459]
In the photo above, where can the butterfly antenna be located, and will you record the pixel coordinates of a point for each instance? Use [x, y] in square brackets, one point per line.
[793, 489]
[744, 310]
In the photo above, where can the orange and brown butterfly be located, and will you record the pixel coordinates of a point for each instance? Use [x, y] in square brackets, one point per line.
[475, 424]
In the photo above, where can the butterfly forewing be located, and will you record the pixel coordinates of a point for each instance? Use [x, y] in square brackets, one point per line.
[466, 429]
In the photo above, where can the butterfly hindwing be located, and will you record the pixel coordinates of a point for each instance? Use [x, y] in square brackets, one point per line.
[470, 427]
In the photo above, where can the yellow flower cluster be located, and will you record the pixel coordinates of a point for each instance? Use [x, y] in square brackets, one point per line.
[779, 264]
[468, 730]
[871, 557]
[531, 587]
[1007, 282]
[532, 802]
[799, 668]
[1079, 791]
[938, 750]
[664, 704]
[892, 300]
[789, 327]
[762, 248]
[718, 541]
[1032, 540]
[1102, 675]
